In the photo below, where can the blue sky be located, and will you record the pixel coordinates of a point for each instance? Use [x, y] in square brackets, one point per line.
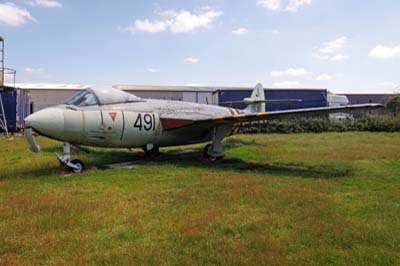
[342, 45]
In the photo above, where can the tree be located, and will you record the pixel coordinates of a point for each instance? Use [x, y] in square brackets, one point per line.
[393, 105]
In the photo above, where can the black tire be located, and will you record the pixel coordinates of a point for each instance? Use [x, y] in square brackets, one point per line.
[211, 158]
[78, 163]
[153, 153]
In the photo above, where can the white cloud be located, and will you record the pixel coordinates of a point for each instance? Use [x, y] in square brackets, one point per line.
[147, 26]
[167, 13]
[34, 71]
[296, 4]
[331, 50]
[240, 31]
[287, 84]
[191, 60]
[12, 15]
[45, 3]
[277, 5]
[177, 22]
[324, 77]
[152, 70]
[385, 52]
[274, 5]
[275, 31]
[334, 46]
[291, 72]
[338, 57]
[193, 85]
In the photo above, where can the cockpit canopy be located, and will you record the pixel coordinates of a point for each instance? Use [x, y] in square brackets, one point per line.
[101, 96]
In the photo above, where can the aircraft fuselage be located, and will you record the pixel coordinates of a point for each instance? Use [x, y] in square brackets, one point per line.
[126, 125]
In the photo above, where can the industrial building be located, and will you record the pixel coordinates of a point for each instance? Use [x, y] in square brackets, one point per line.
[46, 95]
[309, 98]
[369, 98]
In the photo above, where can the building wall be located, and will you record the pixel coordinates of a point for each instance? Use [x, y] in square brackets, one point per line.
[46, 98]
[162, 95]
[368, 98]
[309, 98]
[203, 97]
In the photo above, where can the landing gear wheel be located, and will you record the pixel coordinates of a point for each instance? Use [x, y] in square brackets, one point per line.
[211, 158]
[79, 166]
[153, 153]
[205, 151]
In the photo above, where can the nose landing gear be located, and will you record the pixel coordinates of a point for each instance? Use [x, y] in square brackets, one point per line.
[75, 166]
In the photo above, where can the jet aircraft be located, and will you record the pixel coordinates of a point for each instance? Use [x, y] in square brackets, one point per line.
[108, 117]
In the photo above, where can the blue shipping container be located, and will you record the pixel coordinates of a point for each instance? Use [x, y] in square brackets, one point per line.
[310, 98]
[10, 109]
[16, 108]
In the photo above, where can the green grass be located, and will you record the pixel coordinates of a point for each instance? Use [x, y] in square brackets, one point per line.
[308, 199]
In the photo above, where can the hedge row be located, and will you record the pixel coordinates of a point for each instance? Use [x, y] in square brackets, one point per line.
[378, 123]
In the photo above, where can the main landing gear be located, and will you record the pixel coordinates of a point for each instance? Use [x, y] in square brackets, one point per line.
[214, 151]
[66, 163]
[208, 154]
[151, 151]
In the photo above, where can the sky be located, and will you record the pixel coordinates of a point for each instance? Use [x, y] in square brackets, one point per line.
[342, 45]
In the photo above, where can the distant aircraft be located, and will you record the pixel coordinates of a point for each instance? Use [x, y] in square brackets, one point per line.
[106, 117]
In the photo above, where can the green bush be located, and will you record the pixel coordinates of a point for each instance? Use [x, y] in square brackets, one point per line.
[377, 123]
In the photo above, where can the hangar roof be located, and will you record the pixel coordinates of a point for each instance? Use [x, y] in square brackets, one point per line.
[49, 86]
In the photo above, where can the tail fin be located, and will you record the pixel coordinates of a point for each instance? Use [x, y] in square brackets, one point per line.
[258, 97]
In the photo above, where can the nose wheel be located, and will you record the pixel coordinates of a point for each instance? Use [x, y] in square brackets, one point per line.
[79, 166]
[76, 166]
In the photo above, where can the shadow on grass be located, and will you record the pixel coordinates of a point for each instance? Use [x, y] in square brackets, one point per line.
[232, 164]
[101, 157]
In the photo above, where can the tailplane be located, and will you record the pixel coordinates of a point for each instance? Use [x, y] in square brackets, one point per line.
[257, 100]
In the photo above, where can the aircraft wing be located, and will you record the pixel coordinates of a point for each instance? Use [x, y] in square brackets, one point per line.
[170, 124]
[295, 113]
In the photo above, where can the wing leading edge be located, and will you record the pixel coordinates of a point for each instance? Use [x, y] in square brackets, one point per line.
[293, 113]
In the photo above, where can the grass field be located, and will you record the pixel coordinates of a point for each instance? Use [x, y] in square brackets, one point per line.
[309, 199]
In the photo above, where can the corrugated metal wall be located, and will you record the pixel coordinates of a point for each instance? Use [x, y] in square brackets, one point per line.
[162, 95]
[23, 103]
[360, 99]
[46, 98]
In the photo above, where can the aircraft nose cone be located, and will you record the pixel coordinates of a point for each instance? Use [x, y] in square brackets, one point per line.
[49, 122]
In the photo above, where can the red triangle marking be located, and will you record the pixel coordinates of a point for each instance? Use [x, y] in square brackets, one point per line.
[113, 115]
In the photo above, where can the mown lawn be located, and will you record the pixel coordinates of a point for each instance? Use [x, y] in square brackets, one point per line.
[309, 199]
